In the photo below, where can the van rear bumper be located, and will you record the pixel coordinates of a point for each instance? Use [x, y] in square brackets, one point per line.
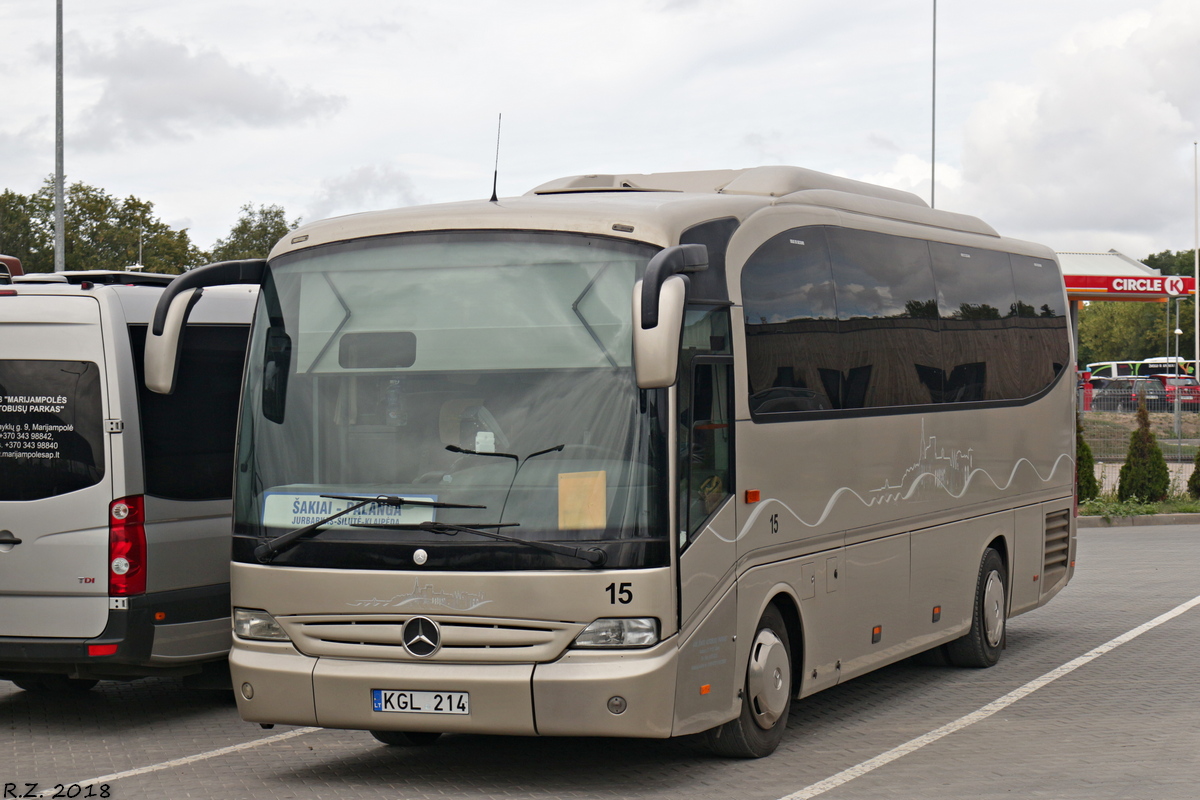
[164, 633]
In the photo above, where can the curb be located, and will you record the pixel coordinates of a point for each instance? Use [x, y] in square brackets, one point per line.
[1138, 521]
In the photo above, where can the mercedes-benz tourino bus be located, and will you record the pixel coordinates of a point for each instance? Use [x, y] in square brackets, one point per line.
[638, 455]
[114, 501]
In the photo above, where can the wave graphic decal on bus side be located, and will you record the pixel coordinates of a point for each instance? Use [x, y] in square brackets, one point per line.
[951, 472]
[893, 498]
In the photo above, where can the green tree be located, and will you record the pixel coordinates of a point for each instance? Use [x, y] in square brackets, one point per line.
[1144, 475]
[20, 236]
[102, 232]
[254, 234]
[1111, 331]
[1087, 487]
[1178, 262]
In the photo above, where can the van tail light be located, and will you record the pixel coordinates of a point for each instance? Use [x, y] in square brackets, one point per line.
[127, 546]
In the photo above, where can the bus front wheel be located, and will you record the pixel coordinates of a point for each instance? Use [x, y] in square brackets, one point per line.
[767, 696]
[981, 645]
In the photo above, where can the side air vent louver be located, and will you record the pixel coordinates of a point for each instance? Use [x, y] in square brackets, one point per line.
[1057, 550]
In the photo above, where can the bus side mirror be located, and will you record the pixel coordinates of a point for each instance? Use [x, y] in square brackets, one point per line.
[656, 350]
[276, 364]
[658, 302]
[162, 349]
[165, 332]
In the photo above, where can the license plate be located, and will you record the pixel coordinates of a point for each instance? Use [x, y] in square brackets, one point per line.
[420, 702]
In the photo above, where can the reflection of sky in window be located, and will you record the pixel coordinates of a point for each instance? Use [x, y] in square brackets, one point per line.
[878, 275]
[1039, 285]
[972, 277]
[788, 279]
[810, 301]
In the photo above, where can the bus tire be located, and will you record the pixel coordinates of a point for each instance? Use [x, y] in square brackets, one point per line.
[406, 738]
[981, 645]
[766, 699]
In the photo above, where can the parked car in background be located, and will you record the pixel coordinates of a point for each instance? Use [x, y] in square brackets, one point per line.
[1187, 387]
[1122, 394]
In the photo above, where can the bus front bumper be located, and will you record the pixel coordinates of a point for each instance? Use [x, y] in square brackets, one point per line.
[628, 693]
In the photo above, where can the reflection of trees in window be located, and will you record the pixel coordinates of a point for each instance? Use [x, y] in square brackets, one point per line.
[975, 311]
[921, 309]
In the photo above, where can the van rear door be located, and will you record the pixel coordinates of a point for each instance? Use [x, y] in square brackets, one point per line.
[55, 475]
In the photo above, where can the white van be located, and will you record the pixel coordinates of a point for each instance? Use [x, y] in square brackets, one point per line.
[114, 501]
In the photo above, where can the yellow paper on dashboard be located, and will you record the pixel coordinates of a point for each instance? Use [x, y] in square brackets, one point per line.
[582, 500]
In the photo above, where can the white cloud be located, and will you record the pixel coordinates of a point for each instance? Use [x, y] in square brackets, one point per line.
[154, 89]
[366, 188]
[1096, 149]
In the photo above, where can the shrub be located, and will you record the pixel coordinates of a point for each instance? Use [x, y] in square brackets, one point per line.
[1087, 486]
[1193, 482]
[1144, 474]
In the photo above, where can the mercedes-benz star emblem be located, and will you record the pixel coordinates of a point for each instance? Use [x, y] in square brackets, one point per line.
[422, 637]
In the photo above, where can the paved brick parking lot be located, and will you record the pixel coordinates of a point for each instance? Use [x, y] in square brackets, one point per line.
[1123, 725]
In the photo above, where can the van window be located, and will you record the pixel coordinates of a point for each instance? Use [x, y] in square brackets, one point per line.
[188, 436]
[51, 428]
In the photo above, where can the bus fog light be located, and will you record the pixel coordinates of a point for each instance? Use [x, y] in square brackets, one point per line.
[617, 704]
[247, 691]
[635, 632]
[250, 623]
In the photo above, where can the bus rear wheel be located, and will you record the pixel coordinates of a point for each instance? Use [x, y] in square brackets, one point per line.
[981, 645]
[766, 699]
[406, 738]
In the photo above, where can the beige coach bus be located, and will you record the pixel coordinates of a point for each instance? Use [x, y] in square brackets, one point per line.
[637, 455]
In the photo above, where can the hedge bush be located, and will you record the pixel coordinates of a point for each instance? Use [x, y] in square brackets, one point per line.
[1144, 474]
[1085, 466]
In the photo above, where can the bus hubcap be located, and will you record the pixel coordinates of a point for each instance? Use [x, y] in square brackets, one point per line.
[993, 608]
[768, 679]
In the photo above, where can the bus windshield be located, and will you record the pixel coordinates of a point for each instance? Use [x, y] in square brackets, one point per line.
[454, 369]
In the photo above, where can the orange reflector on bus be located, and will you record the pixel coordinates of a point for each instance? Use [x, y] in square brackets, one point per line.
[706, 688]
[937, 613]
[753, 496]
[159, 616]
[876, 634]
[102, 649]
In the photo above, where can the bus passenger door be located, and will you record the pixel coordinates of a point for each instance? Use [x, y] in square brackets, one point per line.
[704, 462]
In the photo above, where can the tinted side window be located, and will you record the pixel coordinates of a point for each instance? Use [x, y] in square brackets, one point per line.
[188, 436]
[791, 322]
[51, 428]
[1041, 321]
[887, 320]
[977, 305]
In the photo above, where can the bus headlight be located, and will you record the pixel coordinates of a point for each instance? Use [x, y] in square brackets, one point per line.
[251, 623]
[635, 632]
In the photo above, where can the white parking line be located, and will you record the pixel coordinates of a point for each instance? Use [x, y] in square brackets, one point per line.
[129, 773]
[858, 770]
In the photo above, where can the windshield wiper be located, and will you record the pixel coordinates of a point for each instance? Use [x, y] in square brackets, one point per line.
[456, 449]
[269, 548]
[592, 555]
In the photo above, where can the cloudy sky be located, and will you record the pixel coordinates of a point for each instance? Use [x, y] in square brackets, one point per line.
[1068, 122]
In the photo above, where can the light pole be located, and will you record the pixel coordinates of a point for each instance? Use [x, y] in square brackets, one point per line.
[1178, 389]
[933, 116]
[60, 228]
